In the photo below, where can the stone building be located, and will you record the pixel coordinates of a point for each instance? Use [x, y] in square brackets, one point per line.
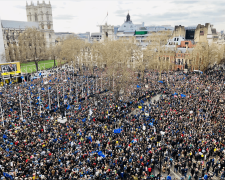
[42, 14]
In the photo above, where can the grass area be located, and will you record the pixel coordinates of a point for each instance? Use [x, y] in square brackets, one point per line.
[30, 66]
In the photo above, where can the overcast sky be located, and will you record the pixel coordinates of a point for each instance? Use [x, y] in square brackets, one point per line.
[83, 16]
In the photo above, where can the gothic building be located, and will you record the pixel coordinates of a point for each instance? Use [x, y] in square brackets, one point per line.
[38, 16]
[42, 14]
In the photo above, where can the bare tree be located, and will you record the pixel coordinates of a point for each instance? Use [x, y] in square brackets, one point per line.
[32, 46]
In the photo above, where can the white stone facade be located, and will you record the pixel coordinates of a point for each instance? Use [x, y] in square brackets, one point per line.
[2, 48]
[42, 13]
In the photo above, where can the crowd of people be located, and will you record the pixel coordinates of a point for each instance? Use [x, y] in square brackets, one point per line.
[133, 137]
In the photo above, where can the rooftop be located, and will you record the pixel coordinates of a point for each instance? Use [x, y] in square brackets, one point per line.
[18, 24]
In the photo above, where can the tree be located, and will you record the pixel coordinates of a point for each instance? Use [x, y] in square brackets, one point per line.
[71, 51]
[117, 56]
[54, 52]
[32, 46]
[157, 49]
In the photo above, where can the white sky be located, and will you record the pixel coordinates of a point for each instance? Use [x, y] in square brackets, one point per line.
[81, 16]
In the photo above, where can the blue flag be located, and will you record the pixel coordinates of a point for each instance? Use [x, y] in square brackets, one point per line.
[47, 107]
[50, 80]
[11, 110]
[90, 138]
[49, 88]
[4, 136]
[117, 131]
[7, 175]
[43, 89]
[39, 74]
[22, 77]
[83, 120]
[68, 107]
[182, 95]
[138, 86]
[160, 81]
[79, 107]
[101, 154]
[10, 82]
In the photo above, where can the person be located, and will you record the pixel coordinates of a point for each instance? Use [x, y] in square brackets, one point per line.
[168, 177]
[11, 68]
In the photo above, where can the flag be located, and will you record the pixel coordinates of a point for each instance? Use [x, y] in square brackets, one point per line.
[43, 89]
[40, 74]
[83, 120]
[4, 136]
[10, 82]
[79, 107]
[11, 110]
[90, 138]
[47, 107]
[101, 154]
[134, 141]
[49, 88]
[68, 107]
[7, 175]
[182, 95]
[160, 81]
[50, 80]
[22, 77]
[138, 86]
[117, 131]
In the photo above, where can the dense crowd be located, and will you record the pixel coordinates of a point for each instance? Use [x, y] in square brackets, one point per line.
[109, 138]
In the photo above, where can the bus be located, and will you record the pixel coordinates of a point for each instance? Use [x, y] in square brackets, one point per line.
[10, 72]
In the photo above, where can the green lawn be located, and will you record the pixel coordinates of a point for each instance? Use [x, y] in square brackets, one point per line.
[30, 66]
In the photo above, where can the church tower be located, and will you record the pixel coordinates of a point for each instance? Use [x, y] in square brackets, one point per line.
[42, 13]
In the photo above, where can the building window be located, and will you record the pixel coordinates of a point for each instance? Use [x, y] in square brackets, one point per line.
[36, 18]
[186, 43]
[175, 39]
[202, 33]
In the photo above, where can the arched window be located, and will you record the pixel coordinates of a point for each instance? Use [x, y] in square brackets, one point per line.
[47, 16]
[50, 36]
[30, 16]
[49, 26]
[36, 18]
[42, 26]
[106, 34]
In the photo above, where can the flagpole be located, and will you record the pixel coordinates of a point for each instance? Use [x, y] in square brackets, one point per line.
[58, 95]
[96, 84]
[70, 91]
[39, 100]
[101, 81]
[49, 99]
[30, 103]
[76, 90]
[20, 106]
[2, 113]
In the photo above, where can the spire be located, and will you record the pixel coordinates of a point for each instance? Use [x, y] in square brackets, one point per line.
[128, 17]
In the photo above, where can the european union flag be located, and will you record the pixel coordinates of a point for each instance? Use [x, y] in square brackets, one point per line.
[7, 175]
[43, 89]
[182, 95]
[11, 110]
[90, 138]
[101, 154]
[83, 120]
[5, 137]
[68, 107]
[160, 81]
[50, 80]
[138, 86]
[79, 107]
[117, 131]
